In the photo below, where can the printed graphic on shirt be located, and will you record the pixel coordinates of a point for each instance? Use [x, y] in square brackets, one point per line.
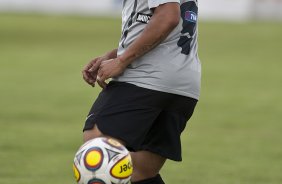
[143, 18]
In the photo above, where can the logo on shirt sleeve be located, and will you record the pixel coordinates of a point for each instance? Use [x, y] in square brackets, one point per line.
[143, 18]
[191, 16]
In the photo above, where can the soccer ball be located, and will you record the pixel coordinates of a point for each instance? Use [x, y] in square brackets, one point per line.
[102, 161]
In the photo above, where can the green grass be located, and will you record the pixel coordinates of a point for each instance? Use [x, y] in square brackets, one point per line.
[234, 136]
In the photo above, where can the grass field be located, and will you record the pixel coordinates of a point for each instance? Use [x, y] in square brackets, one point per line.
[234, 136]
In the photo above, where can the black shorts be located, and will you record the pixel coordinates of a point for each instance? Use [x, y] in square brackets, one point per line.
[144, 119]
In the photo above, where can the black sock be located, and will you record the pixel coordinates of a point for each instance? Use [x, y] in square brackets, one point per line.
[155, 180]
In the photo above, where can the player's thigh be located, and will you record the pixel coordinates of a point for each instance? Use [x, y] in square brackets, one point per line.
[92, 133]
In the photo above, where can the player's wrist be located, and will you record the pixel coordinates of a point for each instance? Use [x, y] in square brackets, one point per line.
[121, 62]
[110, 55]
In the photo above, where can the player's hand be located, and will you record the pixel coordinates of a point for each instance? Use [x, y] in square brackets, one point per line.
[90, 71]
[110, 68]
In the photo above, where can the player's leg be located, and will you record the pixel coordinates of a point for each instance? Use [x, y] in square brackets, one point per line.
[147, 166]
[145, 120]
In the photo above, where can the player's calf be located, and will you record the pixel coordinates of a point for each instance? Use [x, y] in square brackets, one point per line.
[147, 166]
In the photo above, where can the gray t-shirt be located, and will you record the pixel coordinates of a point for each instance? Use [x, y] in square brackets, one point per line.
[173, 66]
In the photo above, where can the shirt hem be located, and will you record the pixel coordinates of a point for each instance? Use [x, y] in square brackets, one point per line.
[163, 89]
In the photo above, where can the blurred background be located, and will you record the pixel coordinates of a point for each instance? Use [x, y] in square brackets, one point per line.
[210, 10]
[234, 136]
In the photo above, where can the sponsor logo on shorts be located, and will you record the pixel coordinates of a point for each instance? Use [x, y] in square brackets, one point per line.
[143, 18]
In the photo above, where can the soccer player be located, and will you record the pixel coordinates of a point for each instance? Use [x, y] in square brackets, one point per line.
[155, 84]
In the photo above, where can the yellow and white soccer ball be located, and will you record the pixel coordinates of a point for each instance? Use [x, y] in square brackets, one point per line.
[102, 161]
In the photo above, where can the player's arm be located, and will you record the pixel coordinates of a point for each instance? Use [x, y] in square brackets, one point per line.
[90, 71]
[164, 20]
